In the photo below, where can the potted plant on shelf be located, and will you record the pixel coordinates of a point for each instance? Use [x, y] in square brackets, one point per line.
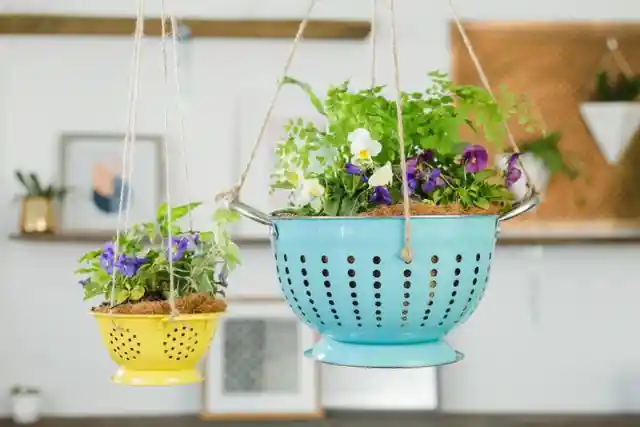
[612, 113]
[542, 159]
[383, 290]
[25, 404]
[163, 289]
[37, 212]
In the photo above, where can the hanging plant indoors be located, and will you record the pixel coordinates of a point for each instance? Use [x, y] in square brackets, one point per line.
[157, 339]
[542, 159]
[37, 211]
[388, 241]
[337, 247]
[613, 114]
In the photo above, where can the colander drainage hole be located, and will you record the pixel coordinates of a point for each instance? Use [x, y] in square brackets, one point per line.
[294, 298]
[354, 295]
[427, 312]
[310, 295]
[405, 303]
[377, 285]
[333, 310]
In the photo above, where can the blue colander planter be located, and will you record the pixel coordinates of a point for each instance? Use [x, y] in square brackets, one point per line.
[344, 277]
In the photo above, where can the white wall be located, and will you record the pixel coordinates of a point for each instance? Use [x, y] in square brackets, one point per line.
[582, 339]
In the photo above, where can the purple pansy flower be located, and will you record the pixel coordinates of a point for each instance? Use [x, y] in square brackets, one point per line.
[381, 196]
[178, 245]
[433, 181]
[129, 266]
[194, 240]
[412, 166]
[107, 259]
[419, 171]
[427, 156]
[475, 158]
[512, 174]
[354, 170]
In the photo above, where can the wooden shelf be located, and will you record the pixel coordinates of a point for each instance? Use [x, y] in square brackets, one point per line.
[63, 237]
[59, 25]
[100, 238]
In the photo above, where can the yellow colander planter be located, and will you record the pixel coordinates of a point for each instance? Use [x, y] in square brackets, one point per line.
[153, 350]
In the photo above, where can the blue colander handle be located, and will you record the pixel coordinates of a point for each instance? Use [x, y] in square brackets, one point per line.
[531, 201]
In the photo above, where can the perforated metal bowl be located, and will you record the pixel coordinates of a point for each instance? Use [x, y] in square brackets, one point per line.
[344, 277]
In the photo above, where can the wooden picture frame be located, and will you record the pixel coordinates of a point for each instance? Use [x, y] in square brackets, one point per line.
[90, 164]
[272, 380]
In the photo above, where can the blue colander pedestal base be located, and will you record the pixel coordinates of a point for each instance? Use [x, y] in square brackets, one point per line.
[417, 355]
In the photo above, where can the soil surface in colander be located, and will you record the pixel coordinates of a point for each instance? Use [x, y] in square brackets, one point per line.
[418, 208]
[190, 304]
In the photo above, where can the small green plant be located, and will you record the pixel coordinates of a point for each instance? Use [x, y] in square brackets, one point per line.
[33, 187]
[546, 149]
[201, 260]
[621, 89]
[353, 166]
[19, 390]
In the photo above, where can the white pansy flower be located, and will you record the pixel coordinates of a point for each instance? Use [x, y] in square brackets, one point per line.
[382, 177]
[363, 148]
[310, 192]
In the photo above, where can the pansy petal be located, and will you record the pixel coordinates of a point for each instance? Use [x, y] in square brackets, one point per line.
[382, 176]
[375, 148]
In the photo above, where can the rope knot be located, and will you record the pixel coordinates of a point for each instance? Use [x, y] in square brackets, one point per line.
[229, 196]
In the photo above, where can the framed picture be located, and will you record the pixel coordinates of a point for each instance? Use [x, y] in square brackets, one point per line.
[256, 190]
[91, 167]
[256, 368]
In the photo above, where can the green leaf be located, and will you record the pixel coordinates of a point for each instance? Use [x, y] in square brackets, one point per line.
[92, 290]
[315, 101]
[206, 236]
[37, 187]
[176, 212]
[121, 296]
[20, 176]
[481, 203]
[162, 211]
[90, 255]
[483, 175]
[225, 216]
[136, 293]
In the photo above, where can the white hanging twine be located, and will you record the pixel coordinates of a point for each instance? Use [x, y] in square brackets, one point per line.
[234, 192]
[130, 137]
[406, 253]
[618, 57]
[127, 152]
[487, 87]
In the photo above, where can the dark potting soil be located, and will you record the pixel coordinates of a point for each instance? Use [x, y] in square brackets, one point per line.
[418, 208]
[189, 304]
